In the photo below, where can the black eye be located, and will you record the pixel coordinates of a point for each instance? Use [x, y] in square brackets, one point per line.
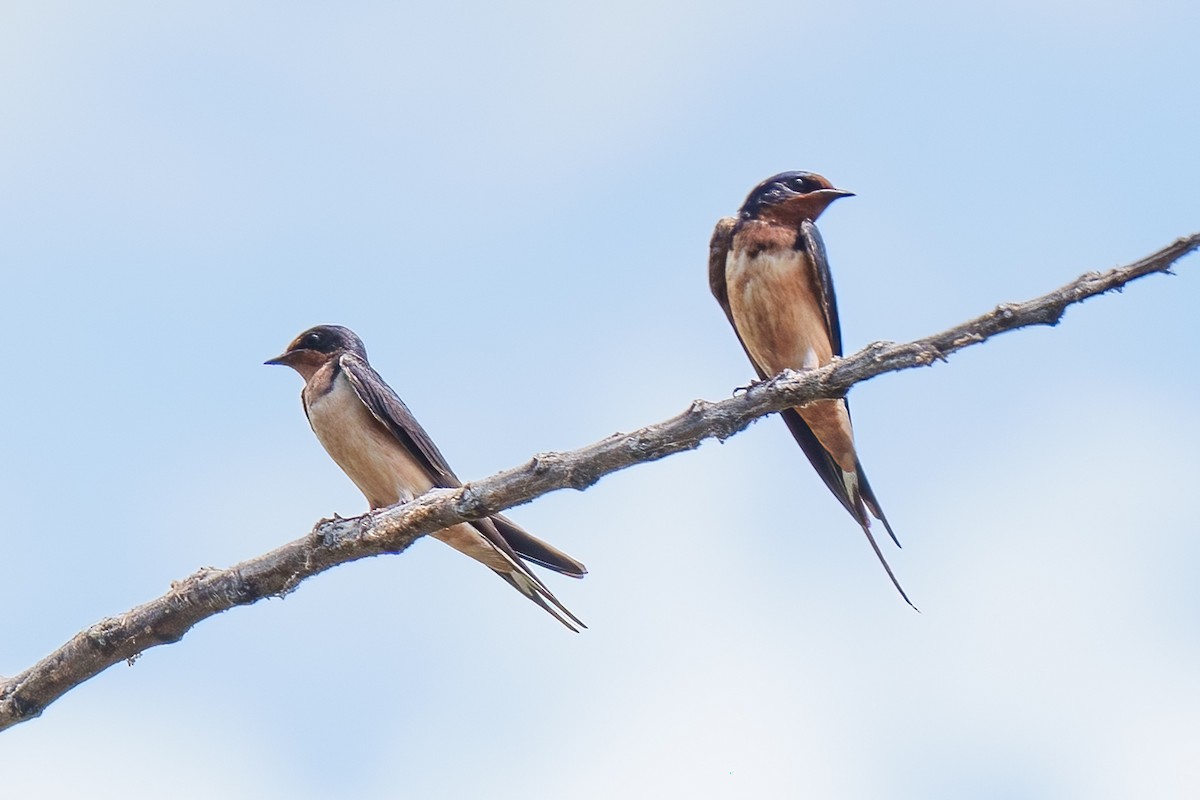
[803, 184]
[312, 340]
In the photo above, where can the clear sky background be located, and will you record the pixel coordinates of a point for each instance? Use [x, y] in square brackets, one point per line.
[511, 204]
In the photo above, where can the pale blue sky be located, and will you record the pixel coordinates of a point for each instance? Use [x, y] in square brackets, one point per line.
[511, 205]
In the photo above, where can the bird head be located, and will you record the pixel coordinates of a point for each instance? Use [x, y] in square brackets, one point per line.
[311, 349]
[790, 197]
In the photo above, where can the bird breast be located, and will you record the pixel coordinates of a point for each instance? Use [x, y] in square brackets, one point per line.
[367, 452]
[776, 307]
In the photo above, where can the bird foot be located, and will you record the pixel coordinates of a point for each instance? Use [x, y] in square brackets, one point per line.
[747, 387]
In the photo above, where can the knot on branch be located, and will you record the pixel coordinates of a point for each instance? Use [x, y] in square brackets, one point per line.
[921, 354]
[21, 709]
[179, 587]
[801, 387]
[99, 635]
[332, 532]
[785, 382]
[878, 351]
[238, 590]
[788, 376]
[470, 504]
[541, 463]
[639, 446]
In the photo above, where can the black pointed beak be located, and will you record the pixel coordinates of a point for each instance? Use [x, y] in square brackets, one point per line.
[281, 360]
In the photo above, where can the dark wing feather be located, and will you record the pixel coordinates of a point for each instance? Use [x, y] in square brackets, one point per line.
[531, 548]
[718, 254]
[820, 459]
[387, 407]
[810, 239]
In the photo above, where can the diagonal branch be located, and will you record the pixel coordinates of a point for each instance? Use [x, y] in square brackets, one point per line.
[391, 530]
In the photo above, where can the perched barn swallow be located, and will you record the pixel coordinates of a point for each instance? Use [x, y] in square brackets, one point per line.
[767, 269]
[369, 432]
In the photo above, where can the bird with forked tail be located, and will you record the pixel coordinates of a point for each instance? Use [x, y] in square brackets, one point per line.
[768, 270]
[369, 432]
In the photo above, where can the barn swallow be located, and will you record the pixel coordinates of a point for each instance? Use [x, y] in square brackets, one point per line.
[768, 270]
[369, 432]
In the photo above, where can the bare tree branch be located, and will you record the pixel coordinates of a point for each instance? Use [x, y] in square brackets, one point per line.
[391, 530]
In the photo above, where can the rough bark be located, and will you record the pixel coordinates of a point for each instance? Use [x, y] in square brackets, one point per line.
[332, 542]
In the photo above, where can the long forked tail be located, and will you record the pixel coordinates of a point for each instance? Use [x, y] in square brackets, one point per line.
[850, 488]
[868, 498]
[528, 584]
[483, 542]
[521, 546]
[866, 526]
[863, 499]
